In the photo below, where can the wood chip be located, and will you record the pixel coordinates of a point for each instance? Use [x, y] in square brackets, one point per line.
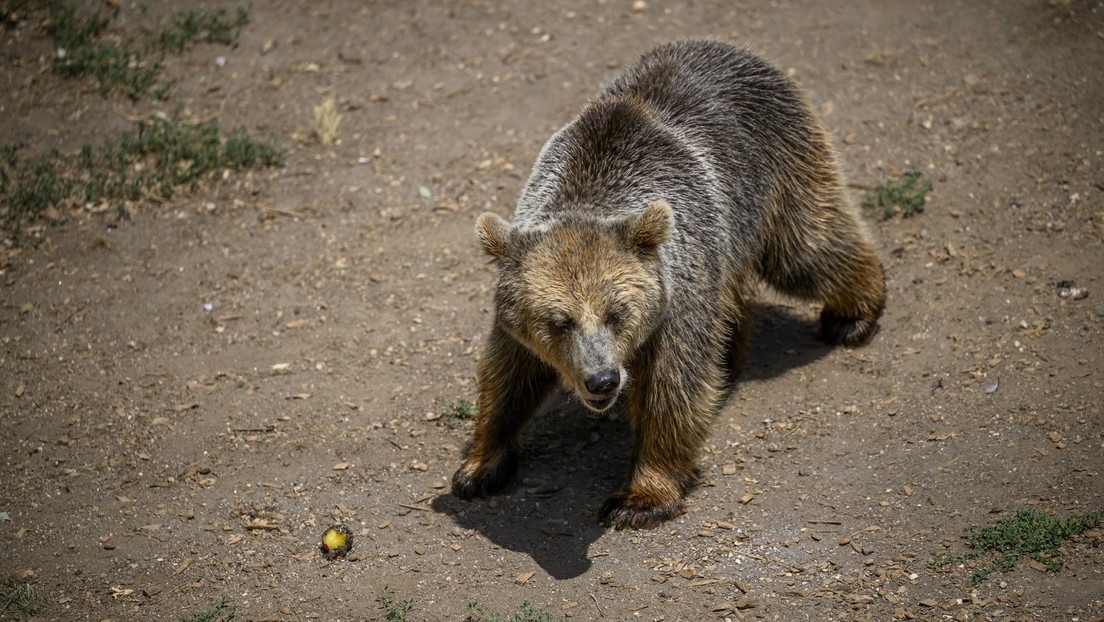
[746, 603]
[1037, 566]
[746, 499]
[524, 577]
[182, 566]
[860, 599]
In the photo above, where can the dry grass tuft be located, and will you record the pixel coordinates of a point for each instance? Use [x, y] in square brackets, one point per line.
[326, 121]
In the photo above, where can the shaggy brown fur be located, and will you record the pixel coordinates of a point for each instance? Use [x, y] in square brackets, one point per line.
[634, 249]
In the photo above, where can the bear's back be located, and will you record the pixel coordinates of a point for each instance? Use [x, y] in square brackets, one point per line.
[710, 128]
[743, 116]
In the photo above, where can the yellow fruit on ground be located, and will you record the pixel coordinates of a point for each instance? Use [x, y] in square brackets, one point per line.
[337, 541]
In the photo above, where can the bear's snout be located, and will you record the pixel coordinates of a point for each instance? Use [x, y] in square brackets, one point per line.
[596, 377]
[603, 383]
[602, 389]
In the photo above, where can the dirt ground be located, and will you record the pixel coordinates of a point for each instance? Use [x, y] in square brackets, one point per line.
[189, 397]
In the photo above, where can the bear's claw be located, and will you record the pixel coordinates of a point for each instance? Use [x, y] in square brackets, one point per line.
[624, 511]
[484, 480]
[848, 331]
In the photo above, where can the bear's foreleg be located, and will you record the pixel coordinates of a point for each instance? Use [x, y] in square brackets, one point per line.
[512, 383]
[672, 405]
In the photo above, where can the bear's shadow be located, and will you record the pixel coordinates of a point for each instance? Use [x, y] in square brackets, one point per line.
[572, 460]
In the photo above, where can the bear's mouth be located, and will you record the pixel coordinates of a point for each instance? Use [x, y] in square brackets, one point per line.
[600, 404]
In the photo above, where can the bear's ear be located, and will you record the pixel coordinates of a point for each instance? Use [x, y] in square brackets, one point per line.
[496, 236]
[650, 228]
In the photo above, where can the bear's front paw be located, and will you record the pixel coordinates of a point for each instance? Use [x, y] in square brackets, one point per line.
[848, 331]
[638, 511]
[480, 479]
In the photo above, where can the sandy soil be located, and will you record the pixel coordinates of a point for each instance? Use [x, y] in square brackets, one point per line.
[156, 455]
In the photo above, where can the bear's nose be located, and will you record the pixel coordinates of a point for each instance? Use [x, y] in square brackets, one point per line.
[603, 382]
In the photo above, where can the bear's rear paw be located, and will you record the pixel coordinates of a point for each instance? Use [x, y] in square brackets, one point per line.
[638, 511]
[848, 331]
[475, 479]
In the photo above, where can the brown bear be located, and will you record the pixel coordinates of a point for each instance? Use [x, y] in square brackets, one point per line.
[636, 243]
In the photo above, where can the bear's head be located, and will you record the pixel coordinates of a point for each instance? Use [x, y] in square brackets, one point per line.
[582, 294]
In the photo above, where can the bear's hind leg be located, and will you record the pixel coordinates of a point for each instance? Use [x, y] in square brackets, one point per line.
[819, 250]
[512, 383]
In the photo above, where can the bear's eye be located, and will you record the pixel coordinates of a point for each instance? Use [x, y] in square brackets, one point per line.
[613, 319]
[561, 324]
[617, 314]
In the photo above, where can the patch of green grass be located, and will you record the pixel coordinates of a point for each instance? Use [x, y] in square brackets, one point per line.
[904, 197]
[463, 409]
[71, 29]
[23, 597]
[224, 611]
[165, 154]
[180, 153]
[459, 412]
[29, 185]
[218, 26]
[82, 51]
[84, 48]
[528, 613]
[244, 149]
[1029, 533]
[393, 611]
